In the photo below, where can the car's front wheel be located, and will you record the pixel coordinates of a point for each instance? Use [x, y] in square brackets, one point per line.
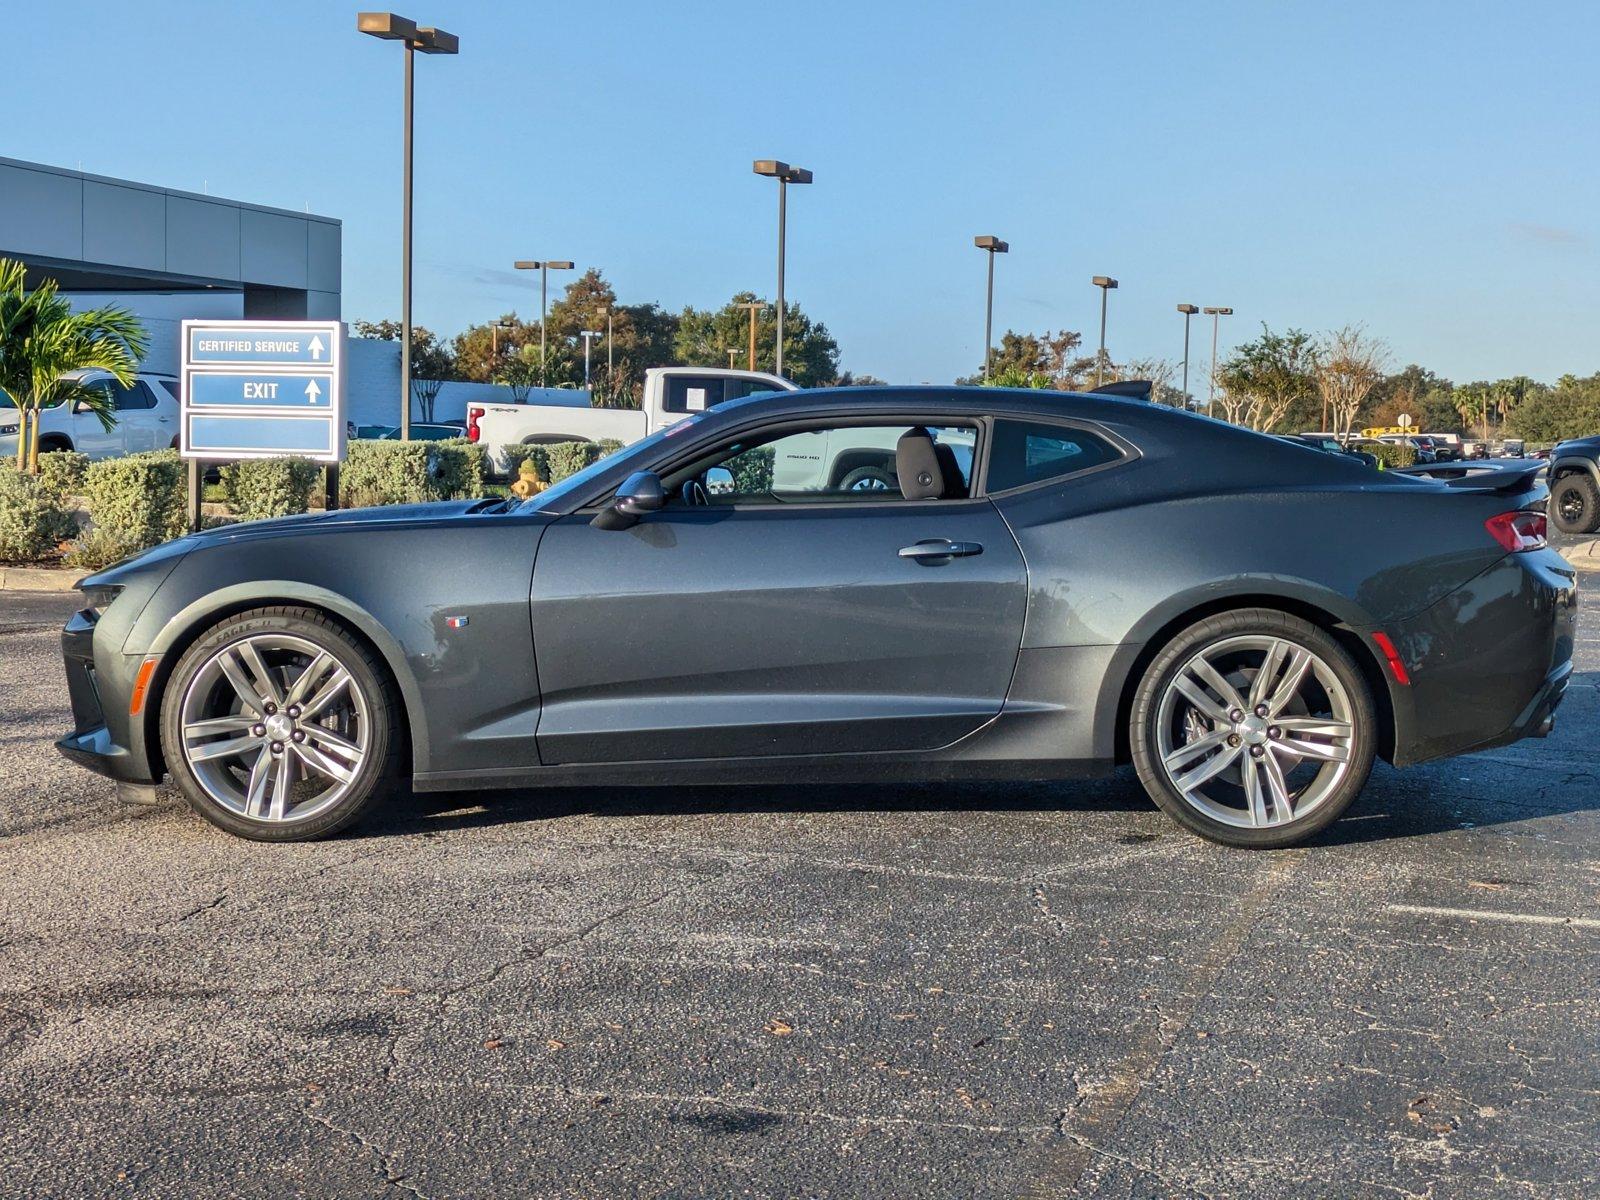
[279, 726]
[1253, 728]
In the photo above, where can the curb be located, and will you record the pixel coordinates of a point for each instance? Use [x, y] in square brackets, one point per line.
[1585, 555]
[38, 579]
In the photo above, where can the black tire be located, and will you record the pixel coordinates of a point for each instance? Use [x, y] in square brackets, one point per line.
[1575, 504]
[52, 442]
[1169, 663]
[379, 769]
[873, 479]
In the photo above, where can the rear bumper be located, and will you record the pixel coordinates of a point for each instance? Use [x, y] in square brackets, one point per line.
[1489, 663]
[104, 738]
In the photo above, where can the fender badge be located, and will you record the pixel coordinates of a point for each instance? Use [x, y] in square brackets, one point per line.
[458, 622]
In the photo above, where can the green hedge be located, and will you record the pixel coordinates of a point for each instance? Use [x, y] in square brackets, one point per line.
[258, 489]
[62, 471]
[557, 460]
[410, 472]
[134, 503]
[33, 516]
[1392, 454]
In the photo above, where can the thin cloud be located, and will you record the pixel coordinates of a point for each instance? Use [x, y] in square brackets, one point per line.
[1549, 235]
[485, 276]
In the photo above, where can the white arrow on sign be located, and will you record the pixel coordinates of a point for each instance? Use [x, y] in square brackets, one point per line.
[312, 392]
[316, 346]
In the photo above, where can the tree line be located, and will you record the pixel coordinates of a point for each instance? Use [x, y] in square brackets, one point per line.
[506, 350]
[1338, 382]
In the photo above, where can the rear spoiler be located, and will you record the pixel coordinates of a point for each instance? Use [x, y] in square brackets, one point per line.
[1131, 389]
[1471, 477]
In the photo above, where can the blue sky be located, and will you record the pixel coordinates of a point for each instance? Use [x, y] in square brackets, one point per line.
[1429, 169]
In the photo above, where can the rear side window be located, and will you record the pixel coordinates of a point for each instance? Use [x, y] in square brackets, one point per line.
[1024, 452]
[694, 393]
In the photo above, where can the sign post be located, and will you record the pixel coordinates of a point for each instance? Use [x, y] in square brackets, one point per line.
[262, 389]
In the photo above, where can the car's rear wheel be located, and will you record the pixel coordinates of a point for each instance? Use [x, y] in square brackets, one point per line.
[279, 726]
[1575, 504]
[1253, 728]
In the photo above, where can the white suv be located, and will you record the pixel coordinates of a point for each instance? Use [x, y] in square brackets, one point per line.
[147, 419]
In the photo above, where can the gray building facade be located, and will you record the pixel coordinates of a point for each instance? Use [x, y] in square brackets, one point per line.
[100, 235]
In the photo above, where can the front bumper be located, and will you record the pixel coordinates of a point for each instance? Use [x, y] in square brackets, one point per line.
[104, 737]
[1490, 662]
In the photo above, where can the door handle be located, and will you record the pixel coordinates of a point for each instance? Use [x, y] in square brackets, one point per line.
[936, 549]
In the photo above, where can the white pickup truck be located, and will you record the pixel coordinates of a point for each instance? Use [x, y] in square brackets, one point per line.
[670, 394]
[146, 419]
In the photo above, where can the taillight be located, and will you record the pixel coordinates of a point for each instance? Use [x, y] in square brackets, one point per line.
[1518, 530]
[472, 423]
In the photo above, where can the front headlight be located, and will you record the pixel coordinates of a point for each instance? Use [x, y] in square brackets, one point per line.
[98, 597]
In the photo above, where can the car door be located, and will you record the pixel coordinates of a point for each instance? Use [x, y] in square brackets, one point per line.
[760, 622]
[89, 436]
[138, 416]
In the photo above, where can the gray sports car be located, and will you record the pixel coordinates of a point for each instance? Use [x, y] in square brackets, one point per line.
[911, 583]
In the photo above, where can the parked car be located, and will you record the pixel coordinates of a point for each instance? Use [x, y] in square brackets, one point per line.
[1330, 444]
[1513, 448]
[676, 613]
[146, 418]
[1472, 448]
[1574, 476]
[1422, 447]
[670, 394]
[434, 431]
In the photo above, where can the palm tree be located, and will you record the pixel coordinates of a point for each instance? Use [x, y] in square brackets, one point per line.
[43, 341]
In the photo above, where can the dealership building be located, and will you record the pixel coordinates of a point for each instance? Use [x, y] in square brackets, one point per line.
[167, 254]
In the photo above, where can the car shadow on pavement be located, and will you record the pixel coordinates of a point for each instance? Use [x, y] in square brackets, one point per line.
[465, 810]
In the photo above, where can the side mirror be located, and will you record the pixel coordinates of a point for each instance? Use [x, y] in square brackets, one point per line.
[639, 494]
[719, 481]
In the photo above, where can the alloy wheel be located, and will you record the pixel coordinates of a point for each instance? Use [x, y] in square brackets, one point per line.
[275, 728]
[1255, 731]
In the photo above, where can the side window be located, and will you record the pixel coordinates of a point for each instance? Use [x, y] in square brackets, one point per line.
[171, 388]
[130, 398]
[1026, 452]
[692, 393]
[845, 464]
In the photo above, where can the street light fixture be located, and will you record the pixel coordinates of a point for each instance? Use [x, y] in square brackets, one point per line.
[494, 338]
[392, 28]
[588, 336]
[992, 246]
[1216, 315]
[1188, 311]
[785, 175]
[1105, 283]
[755, 306]
[611, 363]
[544, 268]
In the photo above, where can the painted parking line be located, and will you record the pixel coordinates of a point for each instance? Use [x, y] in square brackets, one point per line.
[1479, 914]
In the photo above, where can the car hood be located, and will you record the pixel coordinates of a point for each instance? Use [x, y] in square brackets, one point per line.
[345, 518]
[1583, 445]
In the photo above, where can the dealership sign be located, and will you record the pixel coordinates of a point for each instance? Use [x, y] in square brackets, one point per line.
[258, 389]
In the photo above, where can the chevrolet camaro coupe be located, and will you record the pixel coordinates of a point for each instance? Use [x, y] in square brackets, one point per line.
[847, 585]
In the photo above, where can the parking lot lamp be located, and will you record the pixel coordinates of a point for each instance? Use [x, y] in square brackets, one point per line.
[1105, 283]
[392, 28]
[611, 361]
[1188, 311]
[733, 354]
[1216, 315]
[588, 336]
[990, 245]
[494, 338]
[544, 267]
[785, 175]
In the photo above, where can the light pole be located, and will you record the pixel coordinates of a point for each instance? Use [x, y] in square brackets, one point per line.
[494, 338]
[1216, 315]
[544, 268]
[754, 306]
[991, 245]
[1105, 283]
[785, 175]
[733, 353]
[1188, 311]
[588, 336]
[392, 28]
[611, 362]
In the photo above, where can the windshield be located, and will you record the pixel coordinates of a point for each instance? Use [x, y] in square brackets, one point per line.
[558, 492]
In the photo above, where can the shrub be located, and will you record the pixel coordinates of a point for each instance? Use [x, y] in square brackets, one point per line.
[33, 519]
[458, 469]
[269, 487]
[62, 472]
[1392, 454]
[385, 473]
[134, 503]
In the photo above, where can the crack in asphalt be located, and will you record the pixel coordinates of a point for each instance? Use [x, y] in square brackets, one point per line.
[382, 1165]
[1090, 1125]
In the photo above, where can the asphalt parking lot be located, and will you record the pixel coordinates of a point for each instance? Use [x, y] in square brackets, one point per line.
[975, 991]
